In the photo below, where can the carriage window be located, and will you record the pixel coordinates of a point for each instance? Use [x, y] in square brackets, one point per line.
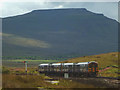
[51, 68]
[58, 68]
[45, 68]
[66, 68]
[85, 68]
[54, 68]
[77, 68]
[70, 68]
[81, 67]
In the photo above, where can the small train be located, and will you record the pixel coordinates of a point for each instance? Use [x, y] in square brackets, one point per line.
[72, 69]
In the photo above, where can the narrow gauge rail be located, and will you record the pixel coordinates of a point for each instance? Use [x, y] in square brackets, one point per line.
[89, 69]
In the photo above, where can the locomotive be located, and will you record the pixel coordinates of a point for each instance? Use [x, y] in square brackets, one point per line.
[72, 69]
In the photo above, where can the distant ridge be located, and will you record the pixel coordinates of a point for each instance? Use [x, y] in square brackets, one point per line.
[63, 9]
[58, 10]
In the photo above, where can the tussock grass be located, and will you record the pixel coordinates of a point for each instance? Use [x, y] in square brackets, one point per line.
[72, 84]
[34, 81]
[23, 81]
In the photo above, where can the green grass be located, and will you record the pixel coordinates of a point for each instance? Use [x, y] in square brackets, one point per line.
[104, 60]
[25, 42]
[112, 72]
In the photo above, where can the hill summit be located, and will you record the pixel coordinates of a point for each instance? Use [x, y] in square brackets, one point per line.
[57, 32]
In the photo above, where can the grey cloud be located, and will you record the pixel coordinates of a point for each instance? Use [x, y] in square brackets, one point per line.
[16, 8]
[109, 9]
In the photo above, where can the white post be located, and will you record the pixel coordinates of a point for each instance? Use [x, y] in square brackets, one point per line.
[66, 75]
[26, 67]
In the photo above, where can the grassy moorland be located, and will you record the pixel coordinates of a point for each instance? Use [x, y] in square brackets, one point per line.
[104, 61]
[16, 78]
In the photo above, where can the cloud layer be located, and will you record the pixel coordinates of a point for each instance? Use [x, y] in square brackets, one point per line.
[109, 9]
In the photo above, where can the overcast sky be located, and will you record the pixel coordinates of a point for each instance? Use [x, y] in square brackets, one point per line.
[10, 8]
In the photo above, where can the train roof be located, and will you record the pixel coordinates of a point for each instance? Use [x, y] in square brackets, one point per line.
[46, 64]
[68, 63]
[56, 64]
[86, 62]
[82, 63]
[62, 63]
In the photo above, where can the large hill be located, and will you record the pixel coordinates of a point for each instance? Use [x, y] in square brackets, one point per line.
[58, 32]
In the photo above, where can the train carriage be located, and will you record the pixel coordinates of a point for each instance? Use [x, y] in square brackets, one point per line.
[73, 69]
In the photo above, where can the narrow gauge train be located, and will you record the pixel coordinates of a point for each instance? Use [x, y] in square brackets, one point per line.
[73, 69]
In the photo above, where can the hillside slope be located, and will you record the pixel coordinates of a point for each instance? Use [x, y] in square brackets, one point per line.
[104, 60]
[62, 31]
